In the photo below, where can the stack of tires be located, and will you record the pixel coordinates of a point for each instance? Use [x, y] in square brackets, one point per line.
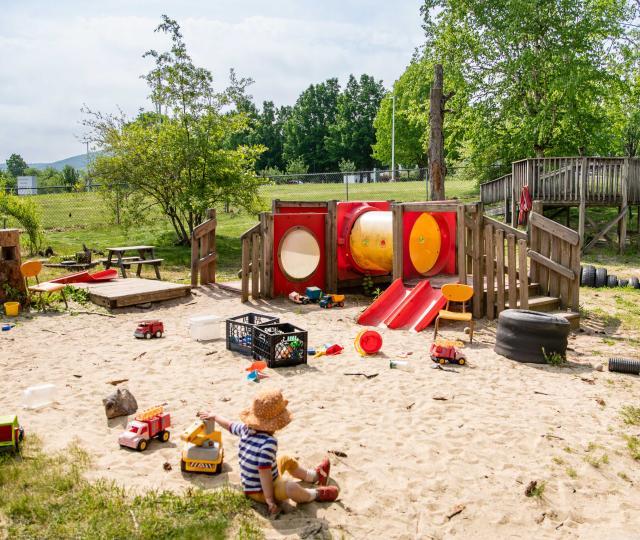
[590, 276]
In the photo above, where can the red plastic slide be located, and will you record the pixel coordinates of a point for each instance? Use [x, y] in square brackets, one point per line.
[85, 277]
[384, 305]
[401, 307]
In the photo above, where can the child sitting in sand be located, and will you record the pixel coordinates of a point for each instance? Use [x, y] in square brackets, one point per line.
[260, 470]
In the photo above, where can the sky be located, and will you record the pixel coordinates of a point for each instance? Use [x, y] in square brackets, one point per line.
[57, 56]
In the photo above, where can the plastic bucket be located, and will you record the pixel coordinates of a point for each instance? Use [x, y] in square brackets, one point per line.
[368, 342]
[12, 309]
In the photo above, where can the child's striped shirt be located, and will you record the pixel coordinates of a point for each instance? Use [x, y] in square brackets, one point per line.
[256, 450]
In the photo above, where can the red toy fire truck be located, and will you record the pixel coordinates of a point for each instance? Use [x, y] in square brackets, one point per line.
[148, 329]
[445, 351]
[146, 425]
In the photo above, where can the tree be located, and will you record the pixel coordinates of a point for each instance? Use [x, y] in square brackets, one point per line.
[177, 157]
[537, 72]
[437, 102]
[16, 165]
[70, 177]
[352, 135]
[307, 128]
[49, 177]
[269, 132]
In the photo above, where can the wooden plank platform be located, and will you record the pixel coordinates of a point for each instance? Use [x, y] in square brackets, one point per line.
[132, 291]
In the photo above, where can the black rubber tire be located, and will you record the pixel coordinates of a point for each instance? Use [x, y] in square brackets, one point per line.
[634, 282]
[522, 335]
[588, 276]
[183, 466]
[612, 281]
[601, 277]
[623, 283]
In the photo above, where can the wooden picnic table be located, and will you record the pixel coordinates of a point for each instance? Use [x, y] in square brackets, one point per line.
[146, 255]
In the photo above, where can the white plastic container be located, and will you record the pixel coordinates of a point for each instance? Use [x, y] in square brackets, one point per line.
[39, 396]
[205, 327]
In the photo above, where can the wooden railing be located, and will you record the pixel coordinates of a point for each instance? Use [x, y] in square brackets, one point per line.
[203, 251]
[512, 260]
[251, 261]
[505, 267]
[496, 190]
[554, 251]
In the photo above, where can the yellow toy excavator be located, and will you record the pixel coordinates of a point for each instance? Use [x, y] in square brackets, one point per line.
[202, 451]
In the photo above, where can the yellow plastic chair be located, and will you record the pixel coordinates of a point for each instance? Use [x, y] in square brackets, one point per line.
[456, 292]
[31, 269]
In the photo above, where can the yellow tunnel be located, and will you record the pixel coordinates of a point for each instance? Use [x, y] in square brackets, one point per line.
[371, 242]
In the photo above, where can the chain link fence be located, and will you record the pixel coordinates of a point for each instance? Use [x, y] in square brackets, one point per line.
[62, 208]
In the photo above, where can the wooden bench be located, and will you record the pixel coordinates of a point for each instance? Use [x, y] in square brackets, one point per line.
[155, 262]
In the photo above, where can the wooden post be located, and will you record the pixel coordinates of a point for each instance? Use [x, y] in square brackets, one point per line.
[195, 257]
[256, 268]
[582, 209]
[523, 274]
[204, 250]
[246, 246]
[490, 264]
[534, 239]
[461, 244]
[397, 226]
[512, 271]
[622, 231]
[266, 271]
[514, 218]
[478, 259]
[499, 245]
[331, 246]
[436, 138]
[211, 214]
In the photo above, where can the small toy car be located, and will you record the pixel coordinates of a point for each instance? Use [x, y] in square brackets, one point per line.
[202, 451]
[314, 294]
[298, 298]
[149, 329]
[146, 425]
[11, 433]
[332, 300]
[445, 351]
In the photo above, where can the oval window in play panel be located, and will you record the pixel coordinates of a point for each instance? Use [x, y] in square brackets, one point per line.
[298, 254]
[424, 243]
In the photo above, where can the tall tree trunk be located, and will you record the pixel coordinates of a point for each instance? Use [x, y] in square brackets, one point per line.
[436, 138]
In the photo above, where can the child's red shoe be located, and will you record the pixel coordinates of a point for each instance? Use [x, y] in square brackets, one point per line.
[327, 493]
[322, 471]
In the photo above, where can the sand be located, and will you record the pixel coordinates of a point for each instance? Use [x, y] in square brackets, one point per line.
[416, 446]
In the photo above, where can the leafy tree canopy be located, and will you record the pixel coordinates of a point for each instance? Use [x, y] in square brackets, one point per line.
[16, 166]
[179, 157]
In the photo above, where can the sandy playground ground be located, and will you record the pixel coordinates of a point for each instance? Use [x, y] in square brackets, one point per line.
[413, 448]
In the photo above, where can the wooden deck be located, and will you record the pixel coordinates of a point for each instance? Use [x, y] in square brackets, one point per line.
[132, 291]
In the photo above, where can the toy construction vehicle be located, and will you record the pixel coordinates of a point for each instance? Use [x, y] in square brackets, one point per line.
[332, 300]
[202, 451]
[298, 298]
[445, 351]
[146, 425]
[149, 329]
[11, 434]
[314, 294]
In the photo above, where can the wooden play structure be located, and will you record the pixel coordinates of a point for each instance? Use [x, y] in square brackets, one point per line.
[203, 251]
[538, 269]
[10, 262]
[566, 182]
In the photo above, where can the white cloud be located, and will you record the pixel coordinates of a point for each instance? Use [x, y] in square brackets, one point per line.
[51, 65]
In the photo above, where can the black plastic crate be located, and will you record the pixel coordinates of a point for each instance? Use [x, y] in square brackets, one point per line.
[280, 344]
[240, 330]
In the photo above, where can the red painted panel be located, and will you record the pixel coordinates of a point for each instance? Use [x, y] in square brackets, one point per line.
[315, 223]
[446, 263]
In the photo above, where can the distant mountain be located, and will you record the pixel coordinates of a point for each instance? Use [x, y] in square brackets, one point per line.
[77, 162]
